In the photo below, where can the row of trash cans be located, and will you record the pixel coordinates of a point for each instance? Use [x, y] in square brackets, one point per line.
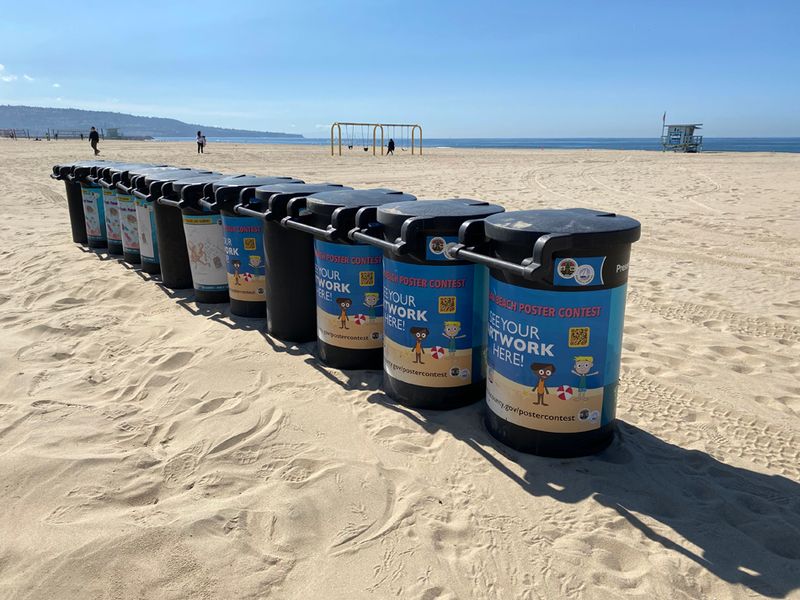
[457, 300]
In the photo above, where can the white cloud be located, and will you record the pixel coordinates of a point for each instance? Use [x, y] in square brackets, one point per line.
[27, 77]
[7, 78]
[58, 99]
[56, 85]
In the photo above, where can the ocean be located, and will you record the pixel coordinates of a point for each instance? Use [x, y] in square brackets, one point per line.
[710, 144]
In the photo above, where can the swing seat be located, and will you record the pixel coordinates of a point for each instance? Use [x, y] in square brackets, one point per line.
[366, 149]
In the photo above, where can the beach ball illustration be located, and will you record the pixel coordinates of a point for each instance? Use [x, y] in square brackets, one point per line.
[360, 319]
[438, 352]
[564, 392]
[247, 277]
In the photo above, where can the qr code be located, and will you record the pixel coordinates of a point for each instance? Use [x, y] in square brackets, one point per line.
[249, 243]
[447, 305]
[366, 278]
[578, 337]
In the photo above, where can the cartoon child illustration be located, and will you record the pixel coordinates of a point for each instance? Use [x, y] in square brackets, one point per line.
[543, 371]
[583, 369]
[419, 333]
[371, 302]
[197, 253]
[344, 304]
[236, 264]
[451, 331]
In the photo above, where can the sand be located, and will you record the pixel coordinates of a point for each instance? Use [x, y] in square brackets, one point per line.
[153, 448]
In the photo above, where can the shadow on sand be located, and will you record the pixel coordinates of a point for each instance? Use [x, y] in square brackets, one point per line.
[742, 526]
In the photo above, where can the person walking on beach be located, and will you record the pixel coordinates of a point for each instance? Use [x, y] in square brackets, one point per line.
[94, 139]
[390, 149]
[201, 141]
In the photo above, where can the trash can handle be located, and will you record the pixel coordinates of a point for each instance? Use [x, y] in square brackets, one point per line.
[368, 231]
[167, 202]
[248, 212]
[206, 204]
[105, 184]
[295, 206]
[293, 223]
[139, 194]
[472, 234]
[125, 189]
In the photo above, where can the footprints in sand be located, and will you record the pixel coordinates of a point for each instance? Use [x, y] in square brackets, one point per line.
[718, 319]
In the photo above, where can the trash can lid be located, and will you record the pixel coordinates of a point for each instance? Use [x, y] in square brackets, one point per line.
[524, 227]
[265, 192]
[106, 172]
[64, 169]
[81, 170]
[191, 189]
[325, 203]
[436, 214]
[197, 179]
[278, 196]
[130, 175]
[153, 183]
[229, 188]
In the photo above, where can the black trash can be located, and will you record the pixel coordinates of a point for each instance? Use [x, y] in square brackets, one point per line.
[205, 241]
[93, 207]
[556, 310]
[145, 214]
[168, 240]
[244, 243]
[289, 259]
[77, 219]
[348, 275]
[433, 306]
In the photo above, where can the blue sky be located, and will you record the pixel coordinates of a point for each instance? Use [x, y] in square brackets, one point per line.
[462, 69]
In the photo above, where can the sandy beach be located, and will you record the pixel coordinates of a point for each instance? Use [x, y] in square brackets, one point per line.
[154, 448]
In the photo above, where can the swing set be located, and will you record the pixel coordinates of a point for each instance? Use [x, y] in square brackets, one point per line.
[356, 136]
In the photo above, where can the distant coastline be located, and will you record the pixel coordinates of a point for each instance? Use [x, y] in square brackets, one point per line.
[710, 144]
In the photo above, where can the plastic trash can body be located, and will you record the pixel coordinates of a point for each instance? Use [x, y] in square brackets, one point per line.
[289, 261]
[348, 276]
[433, 306]
[77, 219]
[555, 333]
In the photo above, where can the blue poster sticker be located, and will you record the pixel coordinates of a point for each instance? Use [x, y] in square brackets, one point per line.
[434, 323]
[349, 281]
[245, 262]
[553, 357]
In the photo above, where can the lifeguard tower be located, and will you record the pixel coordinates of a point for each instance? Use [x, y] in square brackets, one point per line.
[681, 137]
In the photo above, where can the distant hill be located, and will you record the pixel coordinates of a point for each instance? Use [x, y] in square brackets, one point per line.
[38, 119]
